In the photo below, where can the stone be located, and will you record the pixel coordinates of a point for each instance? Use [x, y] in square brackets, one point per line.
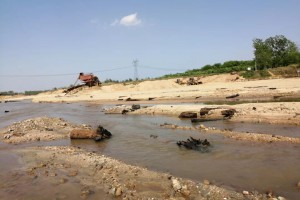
[135, 107]
[112, 191]
[202, 126]
[73, 173]
[206, 182]
[63, 180]
[245, 192]
[7, 136]
[298, 184]
[176, 184]
[281, 198]
[118, 192]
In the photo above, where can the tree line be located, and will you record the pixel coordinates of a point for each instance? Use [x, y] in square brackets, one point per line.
[274, 52]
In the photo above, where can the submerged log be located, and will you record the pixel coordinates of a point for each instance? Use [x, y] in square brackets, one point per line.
[188, 115]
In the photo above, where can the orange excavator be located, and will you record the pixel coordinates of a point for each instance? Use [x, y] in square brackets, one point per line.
[87, 80]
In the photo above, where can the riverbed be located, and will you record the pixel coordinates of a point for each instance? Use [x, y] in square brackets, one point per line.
[238, 165]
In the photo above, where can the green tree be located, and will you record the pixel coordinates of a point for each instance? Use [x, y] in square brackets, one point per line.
[275, 52]
[262, 53]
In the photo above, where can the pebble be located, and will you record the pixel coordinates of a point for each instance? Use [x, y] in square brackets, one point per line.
[245, 192]
[281, 198]
[176, 184]
[202, 126]
[63, 180]
[206, 182]
[73, 173]
[118, 192]
[298, 184]
[112, 191]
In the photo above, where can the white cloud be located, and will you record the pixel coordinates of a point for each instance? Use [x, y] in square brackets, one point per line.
[129, 20]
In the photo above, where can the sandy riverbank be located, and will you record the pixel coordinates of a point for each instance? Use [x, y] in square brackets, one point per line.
[76, 173]
[98, 176]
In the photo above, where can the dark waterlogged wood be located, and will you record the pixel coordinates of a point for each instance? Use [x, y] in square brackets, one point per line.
[232, 96]
[188, 115]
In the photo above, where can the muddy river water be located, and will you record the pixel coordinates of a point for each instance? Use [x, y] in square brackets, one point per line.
[232, 164]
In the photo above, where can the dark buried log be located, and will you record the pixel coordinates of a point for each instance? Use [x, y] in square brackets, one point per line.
[232, 96]
[228, 113]
[188, 115]
[204, 111]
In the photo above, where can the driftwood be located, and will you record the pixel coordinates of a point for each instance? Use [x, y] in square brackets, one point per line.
[188, 115]
[195, 144]
[99, 134]
[228, 113]
[204, 111]
[232, 96]
[130, 99]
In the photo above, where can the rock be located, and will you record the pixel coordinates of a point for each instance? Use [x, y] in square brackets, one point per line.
[298, 184]
[135, 107]
[202, 126]
[206, 182]
[188, 115]
[63, 180]
[281, 198]
[52, 174]
[112, 191]
[73, 173]
[176, 184]
[85, 193]
[118, 192]
[184, 191]
[153, 136]
[7, 136]
[245, 192]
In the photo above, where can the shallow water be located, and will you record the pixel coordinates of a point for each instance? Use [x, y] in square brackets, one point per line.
[236, 164]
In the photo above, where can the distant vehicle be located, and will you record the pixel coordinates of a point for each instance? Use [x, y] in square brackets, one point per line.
[89, 79]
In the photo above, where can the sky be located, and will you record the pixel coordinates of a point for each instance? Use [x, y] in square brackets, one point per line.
[46, 44]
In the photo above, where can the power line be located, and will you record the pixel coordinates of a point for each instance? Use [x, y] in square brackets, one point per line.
[135, 64]
[67, 74]
[160, 68]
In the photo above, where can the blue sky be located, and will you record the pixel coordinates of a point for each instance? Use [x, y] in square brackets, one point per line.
[39, 37]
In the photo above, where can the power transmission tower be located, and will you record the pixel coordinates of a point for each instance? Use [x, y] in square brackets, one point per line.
[135, 65]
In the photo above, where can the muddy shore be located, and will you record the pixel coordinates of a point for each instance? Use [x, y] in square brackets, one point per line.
[100, 177]
[95, 176]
